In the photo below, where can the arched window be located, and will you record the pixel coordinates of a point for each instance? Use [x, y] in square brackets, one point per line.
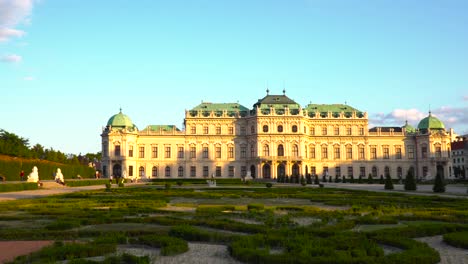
[141, 171]
[154, 171]
[265, 128]
[167, 171]
[295, 151]
[294, 129]
[280, 128]
[180, 171]
[266, 150]
[280, 150]
[399, 172]
[374, 171]
[387, 171]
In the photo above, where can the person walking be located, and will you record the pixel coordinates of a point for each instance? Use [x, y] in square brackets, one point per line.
[22, 175]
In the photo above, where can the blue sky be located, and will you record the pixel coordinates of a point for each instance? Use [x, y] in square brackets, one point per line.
[67, 66]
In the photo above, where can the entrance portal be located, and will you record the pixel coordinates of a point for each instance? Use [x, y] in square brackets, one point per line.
[266, 171]
[252, 171]
[117, 171]
[281, 170]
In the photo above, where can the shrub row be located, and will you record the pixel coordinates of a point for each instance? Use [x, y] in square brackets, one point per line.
[77, 183]
[234, 181]
[169, 245]
[124, 258]
[457, 239]
[10, 167]
[191, 233]
[14, 187]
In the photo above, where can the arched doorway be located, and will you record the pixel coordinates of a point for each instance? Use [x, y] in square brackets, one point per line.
[295, 170]
[117, 170]
[252, 171]
[281, 170]
[266, 171]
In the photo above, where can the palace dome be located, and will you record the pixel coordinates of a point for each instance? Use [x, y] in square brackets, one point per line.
[120, 121]
[430, 123]
[408, 128]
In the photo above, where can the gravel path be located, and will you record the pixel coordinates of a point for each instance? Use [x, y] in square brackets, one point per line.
[448, 254]
[201, 254]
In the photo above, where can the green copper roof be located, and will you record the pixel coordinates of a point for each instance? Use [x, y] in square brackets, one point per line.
[206, 106]
[157, 128]
[121, 121]
[408, 128]
[431, 123]
[277, 102]
[331, 108]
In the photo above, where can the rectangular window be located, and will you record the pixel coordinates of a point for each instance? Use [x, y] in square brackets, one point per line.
[243, 171]
[205, 130]
[205, 152]
[312, 152]
[325, 171]
[141, 152]
[350, 171]
[105, 149]
[349, 152]
[424, 152]
[410, 152]
[218, 152]
[361, 153]
[324, 130]
[231, 152]
[398, 152]
[312, 131]
[338, 171]
[168, 153]
[130, 171]
[438, 152]
[117, 151]
[361, 131]
[313, 170]
[180, 152]
[205, 171]
[193, 171]
[218, 171]
[230, 130]
[231, 171]
[337, 131]
[324, 152]
[337, 152]
[242, 130]
[193, 152]
[362, 171]
[243, 152]
[130, 151]
[373, 152]
[180, 171]
[154, 152]
[386, 152]
[348, 131]
[218, 130]
[193, 130]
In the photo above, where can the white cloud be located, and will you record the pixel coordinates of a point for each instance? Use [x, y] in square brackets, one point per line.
[13, 13]
[11, 58]
[465, 98]
[452, 117]
[29, 78]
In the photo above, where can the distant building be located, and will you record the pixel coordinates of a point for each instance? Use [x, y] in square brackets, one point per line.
[460, 157]
[275, 137]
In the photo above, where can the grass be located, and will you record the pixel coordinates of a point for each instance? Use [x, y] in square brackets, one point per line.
[136, 215]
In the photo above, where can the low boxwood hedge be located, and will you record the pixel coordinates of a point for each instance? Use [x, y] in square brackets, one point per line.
[15, 187]
[457, 239]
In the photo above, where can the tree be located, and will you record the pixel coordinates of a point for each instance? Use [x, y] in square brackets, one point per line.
[388, 183]
[410, 181]
[439, 184]
[316, 180]
[370, 180]
[382, 181]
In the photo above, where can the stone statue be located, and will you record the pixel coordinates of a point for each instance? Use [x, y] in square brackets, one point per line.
[59, 177]
[34, 175]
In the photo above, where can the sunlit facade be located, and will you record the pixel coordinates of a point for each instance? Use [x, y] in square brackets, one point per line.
[275, 137]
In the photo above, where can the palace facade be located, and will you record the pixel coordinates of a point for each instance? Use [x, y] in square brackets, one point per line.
[275, 137]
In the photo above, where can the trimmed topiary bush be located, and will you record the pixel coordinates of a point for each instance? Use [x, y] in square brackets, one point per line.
[439, 184]
[410, 181]
[268, 184]
[388, 183]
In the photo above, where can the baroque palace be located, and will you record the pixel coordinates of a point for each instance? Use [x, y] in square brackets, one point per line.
[276, 137]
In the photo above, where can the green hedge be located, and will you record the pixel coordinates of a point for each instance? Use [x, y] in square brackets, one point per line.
[11, 167]
[77, 183]
[196, 181]
[457, 239]
[169, 245]
[14, 187]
